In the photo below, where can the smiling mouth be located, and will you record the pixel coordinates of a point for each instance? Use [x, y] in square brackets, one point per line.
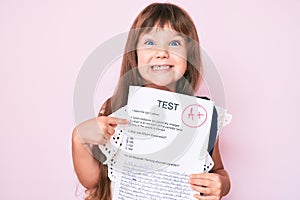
[161, 67]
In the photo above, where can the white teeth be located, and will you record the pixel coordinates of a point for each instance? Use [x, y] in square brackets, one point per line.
[159, 67]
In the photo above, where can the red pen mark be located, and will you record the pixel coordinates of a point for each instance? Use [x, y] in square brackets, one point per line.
[194, 115]
[199, 115]
[191, 114]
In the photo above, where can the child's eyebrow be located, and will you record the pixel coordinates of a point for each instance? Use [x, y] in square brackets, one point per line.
[179, 35]
[147, 35]
[151, 35]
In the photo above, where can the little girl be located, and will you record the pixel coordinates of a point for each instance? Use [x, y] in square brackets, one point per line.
[162, 51]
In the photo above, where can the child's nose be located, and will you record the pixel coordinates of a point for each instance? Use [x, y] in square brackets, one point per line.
[161, 53]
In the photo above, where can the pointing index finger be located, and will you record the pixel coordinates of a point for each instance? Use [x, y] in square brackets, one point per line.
[118, 121]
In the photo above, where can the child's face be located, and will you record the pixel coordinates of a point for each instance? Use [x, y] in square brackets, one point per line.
[162, 57]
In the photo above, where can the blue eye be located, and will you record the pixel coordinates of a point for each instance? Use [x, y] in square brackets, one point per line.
[149, 42]
[175, 43]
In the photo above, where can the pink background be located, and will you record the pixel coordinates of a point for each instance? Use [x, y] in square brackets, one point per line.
[254, 45]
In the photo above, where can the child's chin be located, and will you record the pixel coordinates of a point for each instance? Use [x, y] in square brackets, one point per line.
[160, 85]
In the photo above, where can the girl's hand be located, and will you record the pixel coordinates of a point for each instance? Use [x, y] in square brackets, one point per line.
[212, 186]
[98, 130]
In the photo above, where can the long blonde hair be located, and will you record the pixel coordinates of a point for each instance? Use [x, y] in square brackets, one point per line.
[154, 15]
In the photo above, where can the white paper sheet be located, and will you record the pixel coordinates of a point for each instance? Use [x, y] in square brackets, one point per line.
[166, 141]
